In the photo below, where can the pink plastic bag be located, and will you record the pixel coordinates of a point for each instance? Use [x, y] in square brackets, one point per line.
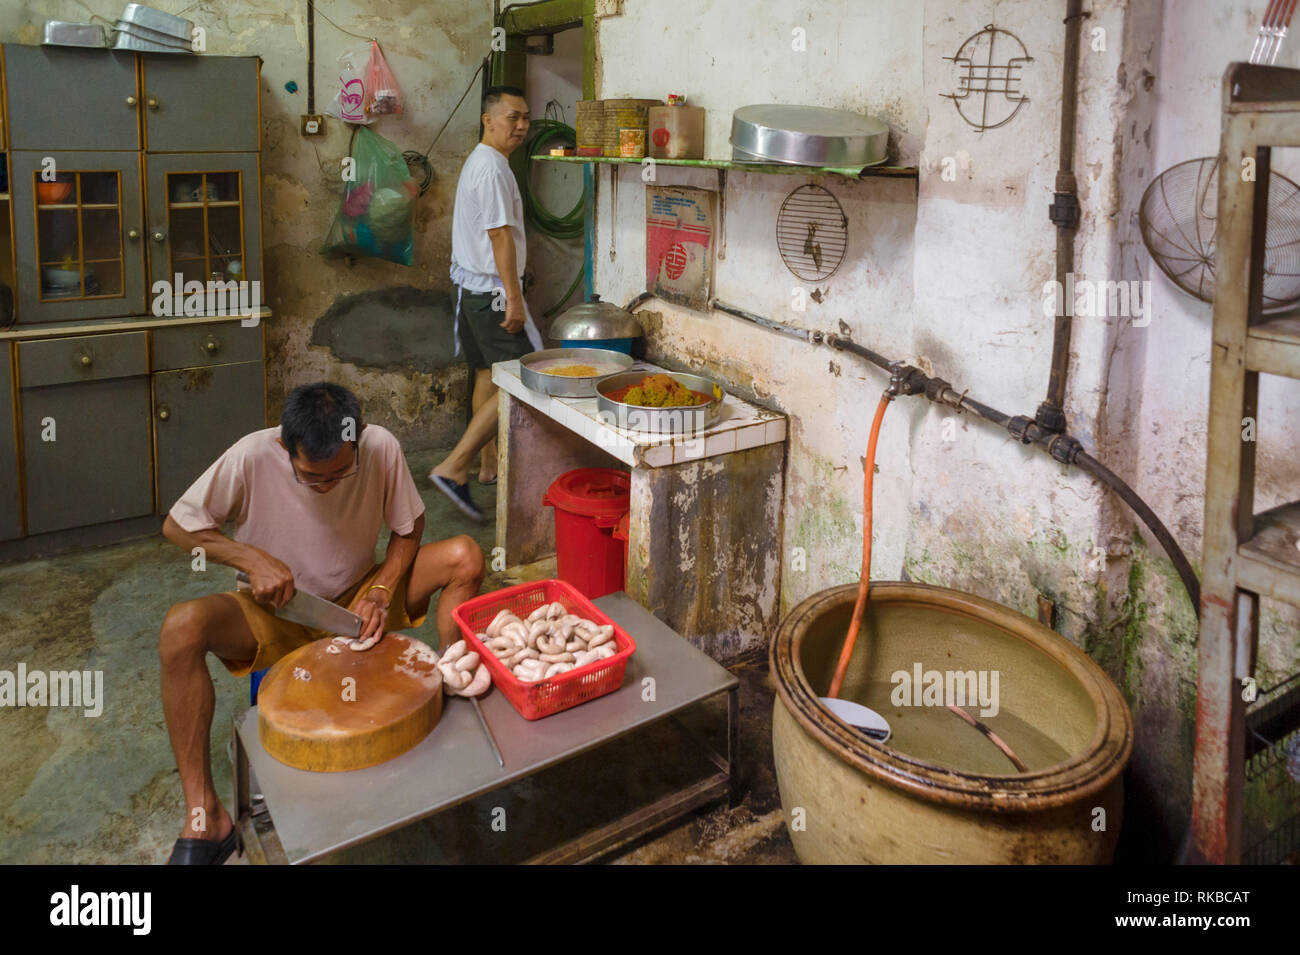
[382, 94]
[349, 103]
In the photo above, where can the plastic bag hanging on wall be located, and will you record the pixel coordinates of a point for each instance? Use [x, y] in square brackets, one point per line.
[375, 217]
[349, 102]
[382, 94]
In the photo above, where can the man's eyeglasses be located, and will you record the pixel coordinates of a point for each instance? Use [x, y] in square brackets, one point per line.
[356, 466]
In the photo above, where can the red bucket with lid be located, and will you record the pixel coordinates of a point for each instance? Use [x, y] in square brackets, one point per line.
[589, 503]
[623, 532]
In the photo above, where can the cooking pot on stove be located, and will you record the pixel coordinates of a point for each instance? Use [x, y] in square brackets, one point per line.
[597, 324]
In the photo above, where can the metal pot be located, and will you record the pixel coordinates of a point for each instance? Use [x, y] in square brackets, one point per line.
[596, 324]
[563, 386]
[683, 420]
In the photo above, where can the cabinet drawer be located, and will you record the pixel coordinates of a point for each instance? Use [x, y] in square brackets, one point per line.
[191, 346]
[89, 358]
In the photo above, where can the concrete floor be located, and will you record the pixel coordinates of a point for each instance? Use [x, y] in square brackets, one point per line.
[81, 790]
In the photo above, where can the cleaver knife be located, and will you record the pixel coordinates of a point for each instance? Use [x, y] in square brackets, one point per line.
[316, 612]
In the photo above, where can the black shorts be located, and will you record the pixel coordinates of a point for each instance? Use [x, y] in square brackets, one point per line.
[482, 338]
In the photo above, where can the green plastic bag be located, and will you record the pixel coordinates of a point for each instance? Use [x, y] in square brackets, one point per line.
[375, 218]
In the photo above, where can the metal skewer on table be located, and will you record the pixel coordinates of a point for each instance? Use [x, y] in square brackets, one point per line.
[488, 732]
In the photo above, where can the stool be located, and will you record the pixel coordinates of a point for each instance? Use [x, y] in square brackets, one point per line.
[255, 680]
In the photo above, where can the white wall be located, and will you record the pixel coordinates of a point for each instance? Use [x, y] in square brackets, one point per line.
[725, 56]
[950, 274]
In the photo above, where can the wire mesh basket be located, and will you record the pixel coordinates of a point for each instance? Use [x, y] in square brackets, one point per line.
[1179, 221]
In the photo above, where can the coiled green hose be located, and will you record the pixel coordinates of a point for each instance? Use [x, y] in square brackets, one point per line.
[568, 226]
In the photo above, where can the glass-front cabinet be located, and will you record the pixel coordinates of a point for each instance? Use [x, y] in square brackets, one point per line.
[202, 217]
[118, 171]
[126, 170]
[78, 226]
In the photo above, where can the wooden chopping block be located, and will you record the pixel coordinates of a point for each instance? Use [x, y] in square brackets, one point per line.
[310, 717]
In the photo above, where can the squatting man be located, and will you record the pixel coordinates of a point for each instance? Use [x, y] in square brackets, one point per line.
[308, 500]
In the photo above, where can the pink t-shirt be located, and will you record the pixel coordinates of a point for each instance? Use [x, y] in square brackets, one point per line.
[327, 540]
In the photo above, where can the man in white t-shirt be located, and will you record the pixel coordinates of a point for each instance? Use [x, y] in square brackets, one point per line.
[308, 500]
[488, 254]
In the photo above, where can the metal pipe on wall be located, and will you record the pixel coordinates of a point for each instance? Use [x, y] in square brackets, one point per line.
[1061, 446]
[1064, 213]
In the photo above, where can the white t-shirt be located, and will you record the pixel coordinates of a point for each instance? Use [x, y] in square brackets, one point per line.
[487, 197]
[327, 540]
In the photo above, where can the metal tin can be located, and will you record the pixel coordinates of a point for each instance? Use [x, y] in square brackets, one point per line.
[631, 143]
[591, 127]
[623, 114]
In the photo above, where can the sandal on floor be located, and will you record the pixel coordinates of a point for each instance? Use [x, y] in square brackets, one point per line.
[488, 483]
[204, 851]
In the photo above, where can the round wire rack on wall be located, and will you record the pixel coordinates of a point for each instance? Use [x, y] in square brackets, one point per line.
[1179, 221]
[812, 233]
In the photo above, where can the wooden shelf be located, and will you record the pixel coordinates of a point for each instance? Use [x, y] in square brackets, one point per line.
[215, 204]
[779, 169]
[59, 264]
[4, 197]
[54, 207]
[1269, 562]
[1273, 347]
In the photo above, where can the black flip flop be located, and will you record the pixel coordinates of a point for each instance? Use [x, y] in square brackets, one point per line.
[204, 851]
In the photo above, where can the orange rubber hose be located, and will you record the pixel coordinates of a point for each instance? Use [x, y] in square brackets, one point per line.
[865, 582]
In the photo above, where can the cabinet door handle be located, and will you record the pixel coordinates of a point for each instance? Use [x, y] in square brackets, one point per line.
[152, 102]
[131, 101]
[163, 413]
[212, 345]
[86, 360]
[158, 236]
[133, 233]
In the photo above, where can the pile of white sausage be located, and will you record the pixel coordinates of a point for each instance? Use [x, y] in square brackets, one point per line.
[463, 674]
[550, 642]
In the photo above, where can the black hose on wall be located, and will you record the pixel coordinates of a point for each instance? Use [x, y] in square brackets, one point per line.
[1062, 447]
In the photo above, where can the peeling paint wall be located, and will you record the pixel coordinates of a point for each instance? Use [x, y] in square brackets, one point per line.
[950, 275]
[433, 49]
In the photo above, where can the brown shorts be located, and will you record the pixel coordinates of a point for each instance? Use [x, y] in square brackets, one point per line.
[277, 637]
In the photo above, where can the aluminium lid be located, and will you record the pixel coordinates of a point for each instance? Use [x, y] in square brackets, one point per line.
[809, 135]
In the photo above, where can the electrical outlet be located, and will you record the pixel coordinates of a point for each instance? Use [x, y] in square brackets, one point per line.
[313, 125]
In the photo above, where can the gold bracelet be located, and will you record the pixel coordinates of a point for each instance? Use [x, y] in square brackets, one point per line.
[379, 587]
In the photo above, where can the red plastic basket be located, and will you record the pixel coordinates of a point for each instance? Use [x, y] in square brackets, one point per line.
[535, 700]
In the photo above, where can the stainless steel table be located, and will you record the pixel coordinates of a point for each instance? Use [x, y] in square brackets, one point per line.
[319, 813]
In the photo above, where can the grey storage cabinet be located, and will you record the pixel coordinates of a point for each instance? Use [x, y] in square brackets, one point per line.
[125, 169]
[79, 255]
[174, 88]
[11, 520]
[85, 419]
[67, 98]
[199, 219]
[209, 390]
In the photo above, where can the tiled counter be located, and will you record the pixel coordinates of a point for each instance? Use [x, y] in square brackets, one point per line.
[704, 554]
